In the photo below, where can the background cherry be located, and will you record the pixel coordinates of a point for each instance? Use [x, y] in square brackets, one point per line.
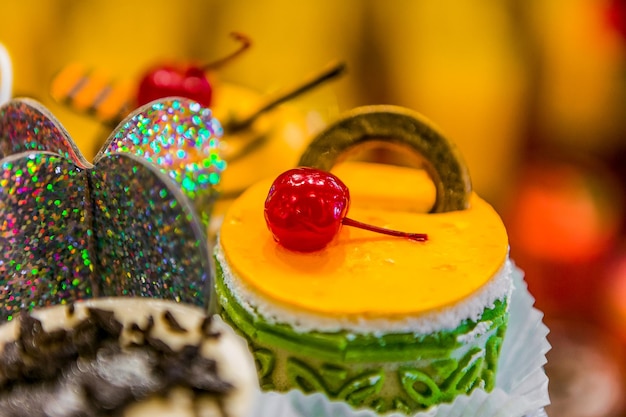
[170, 81]
[306, 207]
[189, 81]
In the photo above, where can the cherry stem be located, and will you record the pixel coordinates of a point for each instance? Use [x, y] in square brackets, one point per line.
[330, 72]
[245, 44]
[420, 237]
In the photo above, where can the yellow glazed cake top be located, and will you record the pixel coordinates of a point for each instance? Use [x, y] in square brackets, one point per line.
[362, 273]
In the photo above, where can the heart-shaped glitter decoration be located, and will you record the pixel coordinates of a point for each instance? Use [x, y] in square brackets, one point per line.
[131, 224]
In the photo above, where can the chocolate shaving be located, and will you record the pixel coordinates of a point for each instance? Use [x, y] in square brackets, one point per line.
[106, 321]
[203, 376]
[205, 326]
[103, 394]
[84, 337]
[149, 324]
[158, 345]
[12, 361]
[31, 333]
[172, 323]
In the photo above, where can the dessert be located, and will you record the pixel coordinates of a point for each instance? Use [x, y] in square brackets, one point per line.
[125, 228]
[123, 357]
[378, 321]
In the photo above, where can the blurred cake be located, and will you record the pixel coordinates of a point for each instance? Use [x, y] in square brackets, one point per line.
[377, 321]
[126, 228]
[123, 357]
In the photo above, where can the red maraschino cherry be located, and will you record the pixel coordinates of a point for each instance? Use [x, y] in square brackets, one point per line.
[189, 81]
[306, 207]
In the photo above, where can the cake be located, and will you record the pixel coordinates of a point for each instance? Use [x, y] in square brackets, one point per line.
[127, 357]
[380, 322]
[105, 270]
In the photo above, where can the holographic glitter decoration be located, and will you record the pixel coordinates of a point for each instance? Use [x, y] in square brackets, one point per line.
[26, 125]
[129, 225]
[180, 137]
[144, 224]
[44, 233]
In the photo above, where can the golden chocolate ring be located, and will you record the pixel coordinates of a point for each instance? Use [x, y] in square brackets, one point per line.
[401, 126]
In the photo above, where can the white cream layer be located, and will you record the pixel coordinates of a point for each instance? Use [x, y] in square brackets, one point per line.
[449, 318]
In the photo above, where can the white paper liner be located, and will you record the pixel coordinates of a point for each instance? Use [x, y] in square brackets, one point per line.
[521, 384]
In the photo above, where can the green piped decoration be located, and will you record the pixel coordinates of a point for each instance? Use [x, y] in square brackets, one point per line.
[459, 377]
[379, 405]
[265, 361]
[365, 386]
[304, 377]
[419, 372]
[472, 375]
[335, 376]
[400, 405]
[420, 387]
[444, 367]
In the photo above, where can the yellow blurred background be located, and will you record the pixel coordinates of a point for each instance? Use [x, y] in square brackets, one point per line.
[532, 91]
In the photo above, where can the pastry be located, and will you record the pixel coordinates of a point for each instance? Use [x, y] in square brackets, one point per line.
[123, 357]
[126, 229]
[384, 322]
